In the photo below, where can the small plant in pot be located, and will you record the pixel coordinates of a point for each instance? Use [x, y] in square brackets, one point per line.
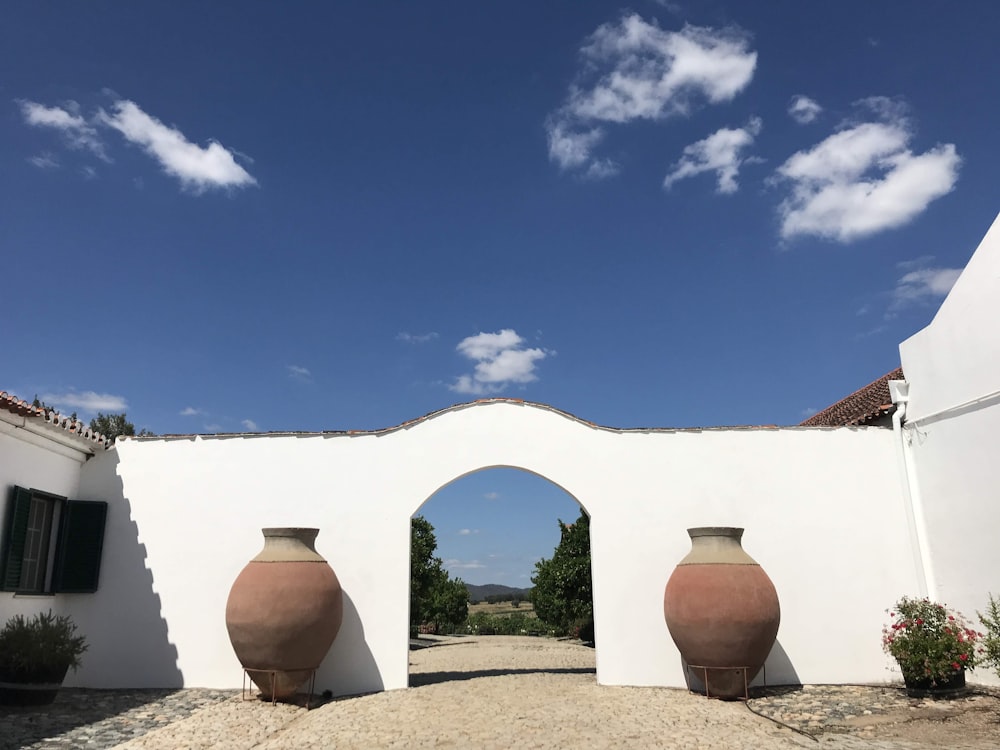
[934, 646]
[35, 654]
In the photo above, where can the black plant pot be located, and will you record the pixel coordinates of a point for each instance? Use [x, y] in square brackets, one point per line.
[923, 687]
[37, 689]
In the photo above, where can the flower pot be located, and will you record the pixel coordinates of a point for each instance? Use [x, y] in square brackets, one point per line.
[284, 611]
[34, 690]
[942, 687]
[722, 611]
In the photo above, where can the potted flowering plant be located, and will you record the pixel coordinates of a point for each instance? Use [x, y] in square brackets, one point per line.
[932, 645]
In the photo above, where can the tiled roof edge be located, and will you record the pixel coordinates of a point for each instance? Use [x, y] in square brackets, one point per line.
[54, 420]
[864, 405]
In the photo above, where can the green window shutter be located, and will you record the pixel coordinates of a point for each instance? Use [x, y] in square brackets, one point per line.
[78, 551]
[13, 539]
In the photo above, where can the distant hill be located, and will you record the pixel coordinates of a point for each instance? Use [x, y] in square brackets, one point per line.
[479, 593]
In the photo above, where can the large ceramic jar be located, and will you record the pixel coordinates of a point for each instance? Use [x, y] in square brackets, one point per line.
[722, 611]
[284, 611]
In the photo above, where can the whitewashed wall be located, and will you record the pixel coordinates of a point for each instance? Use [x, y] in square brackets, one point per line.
[823, 511]
[950, 431]
[35, 462]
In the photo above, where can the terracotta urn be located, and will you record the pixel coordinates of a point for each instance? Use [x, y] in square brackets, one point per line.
[284, 611]
[722, 611]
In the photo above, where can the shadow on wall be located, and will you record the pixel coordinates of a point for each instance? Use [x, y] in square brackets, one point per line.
[777, 670]
[128, 637]
[349, 668]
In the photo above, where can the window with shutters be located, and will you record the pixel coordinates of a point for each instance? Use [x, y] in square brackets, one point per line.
[51, 544]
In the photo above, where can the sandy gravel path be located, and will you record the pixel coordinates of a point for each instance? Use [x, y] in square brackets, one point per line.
[497, 692]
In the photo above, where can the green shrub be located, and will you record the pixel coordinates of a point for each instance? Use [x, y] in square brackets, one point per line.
[44, 646]
[991, 640]
[518, 623]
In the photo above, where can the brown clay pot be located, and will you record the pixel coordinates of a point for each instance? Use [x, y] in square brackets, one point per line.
[284, 611]
[722, 611]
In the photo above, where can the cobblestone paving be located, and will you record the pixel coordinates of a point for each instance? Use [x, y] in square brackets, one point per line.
[99, 719]
[821, 709]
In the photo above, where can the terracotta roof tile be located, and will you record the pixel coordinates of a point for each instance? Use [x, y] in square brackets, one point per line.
[52, 419]
[861, 407]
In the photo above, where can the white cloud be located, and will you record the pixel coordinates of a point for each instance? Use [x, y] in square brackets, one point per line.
[213, 427]
[651, 73]
[416, 338]
[599, 169]
[190, 411]
[45, 160]
[488, 345]
[863, 179]
[634, 70]
[249, 424]
[74, 127]
[803, 110]
[454, 564]
[299, 373]
[571, 148]
[197, 168]
[921, 285]
[719, 153]
[87, 401]
[492, 495]
[467, 532]
[500, 361]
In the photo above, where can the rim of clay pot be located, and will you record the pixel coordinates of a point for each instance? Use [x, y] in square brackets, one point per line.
[735, 532]
[290, 531]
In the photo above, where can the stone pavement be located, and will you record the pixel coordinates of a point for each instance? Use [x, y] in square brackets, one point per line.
[489, 692]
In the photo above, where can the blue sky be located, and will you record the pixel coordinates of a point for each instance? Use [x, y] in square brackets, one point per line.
[319, 216]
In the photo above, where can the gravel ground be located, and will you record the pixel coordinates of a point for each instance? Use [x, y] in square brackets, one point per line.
[514, 692]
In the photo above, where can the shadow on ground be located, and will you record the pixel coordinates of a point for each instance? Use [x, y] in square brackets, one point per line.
[72, 709]
[422, 679]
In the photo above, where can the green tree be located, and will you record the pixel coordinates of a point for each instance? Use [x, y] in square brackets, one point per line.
[449, 606]
[112, 425]
[435, 597]
[563, 595]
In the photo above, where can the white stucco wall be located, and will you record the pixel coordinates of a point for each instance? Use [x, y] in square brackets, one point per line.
[953, 361]
[32, 461]
[951, 423]
[823, 511]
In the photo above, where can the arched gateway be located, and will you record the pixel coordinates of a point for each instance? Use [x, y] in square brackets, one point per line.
[822, 510]
[508, 522]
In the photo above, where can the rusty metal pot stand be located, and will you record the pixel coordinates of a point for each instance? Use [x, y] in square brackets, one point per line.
[247, 693]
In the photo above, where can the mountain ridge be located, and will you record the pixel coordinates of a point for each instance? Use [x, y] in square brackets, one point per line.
[479, 593]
